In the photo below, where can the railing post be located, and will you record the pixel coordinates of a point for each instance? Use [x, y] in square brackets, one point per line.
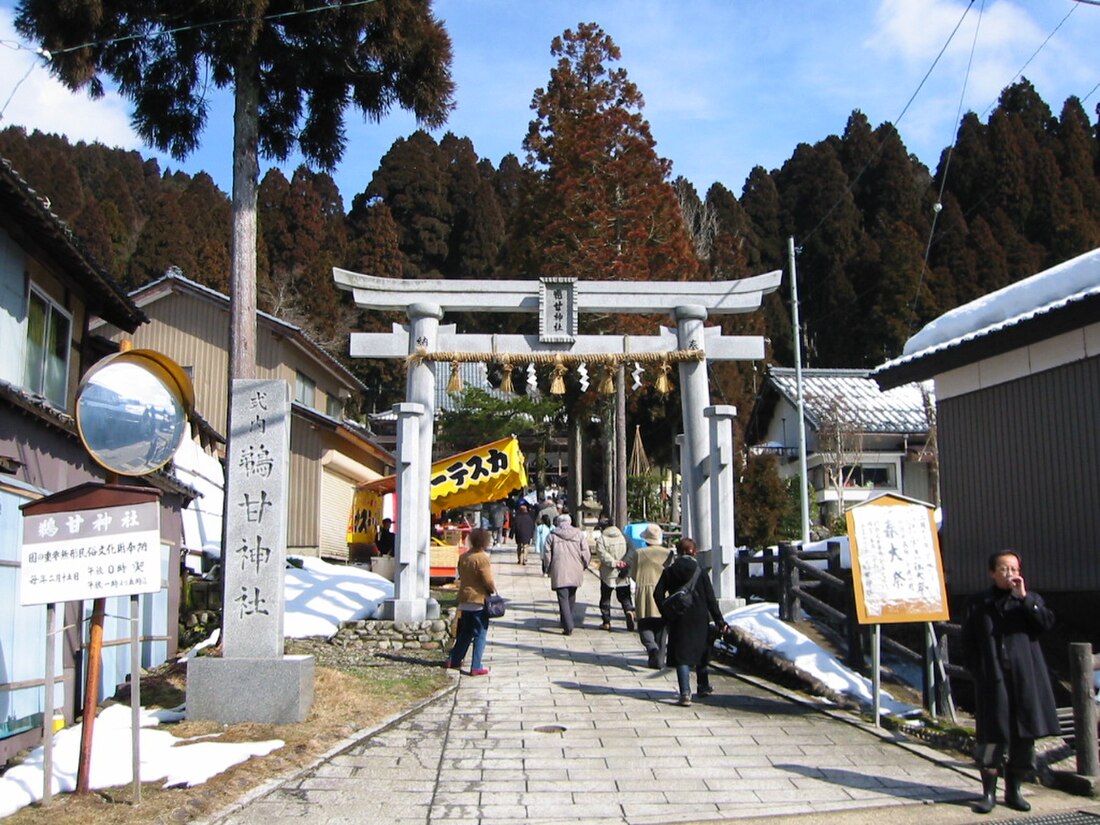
[789, 607]
[832, 564]
[1084, 709]
[852, 627]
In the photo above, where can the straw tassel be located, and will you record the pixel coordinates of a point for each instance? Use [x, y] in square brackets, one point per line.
[664, 383]
[455, 383]
[607, 380]
[506, 376]
[557, 383]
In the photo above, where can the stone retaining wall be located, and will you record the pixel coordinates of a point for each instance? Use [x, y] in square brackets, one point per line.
[377, 634]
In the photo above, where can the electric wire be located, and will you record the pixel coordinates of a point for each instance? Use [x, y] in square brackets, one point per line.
[47, 55]
[1035, 54]
[227, 22]
[15, 88]
[878, 151]
[943, 175]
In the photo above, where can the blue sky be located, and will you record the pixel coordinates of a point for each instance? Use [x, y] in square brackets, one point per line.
[728, 84]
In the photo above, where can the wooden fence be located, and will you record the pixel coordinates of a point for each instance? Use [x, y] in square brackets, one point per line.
[790, 577]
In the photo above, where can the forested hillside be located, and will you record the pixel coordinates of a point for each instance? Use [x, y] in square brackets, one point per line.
[1020, 192]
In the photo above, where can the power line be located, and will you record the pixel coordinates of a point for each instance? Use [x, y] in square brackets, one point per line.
[1027, 62]
[882, 144]
[946, 165]
[47, 55]
[226, 22]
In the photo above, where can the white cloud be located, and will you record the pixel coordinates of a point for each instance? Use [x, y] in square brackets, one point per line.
[35, 100]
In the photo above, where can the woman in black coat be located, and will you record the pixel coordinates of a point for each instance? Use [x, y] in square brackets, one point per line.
[689, 635]
[1013, 700]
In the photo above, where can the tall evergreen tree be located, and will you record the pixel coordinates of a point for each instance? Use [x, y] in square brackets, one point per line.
[293, 74]
[477, 228]
[412, 180]
[609, 211]
[373, 246]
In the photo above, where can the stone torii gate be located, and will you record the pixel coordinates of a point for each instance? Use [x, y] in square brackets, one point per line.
[707, 461]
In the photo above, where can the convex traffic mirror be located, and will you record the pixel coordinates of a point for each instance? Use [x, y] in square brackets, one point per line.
[132, 409]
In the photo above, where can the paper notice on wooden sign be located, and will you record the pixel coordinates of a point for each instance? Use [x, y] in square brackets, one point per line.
[897, 572]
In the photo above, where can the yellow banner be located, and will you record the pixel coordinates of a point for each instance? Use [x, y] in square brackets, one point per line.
[366, 516]
[486, 473]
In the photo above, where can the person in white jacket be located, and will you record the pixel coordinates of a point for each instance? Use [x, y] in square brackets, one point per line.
[611, 551]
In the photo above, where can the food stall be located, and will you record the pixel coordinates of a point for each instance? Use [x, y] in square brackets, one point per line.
[486, 473]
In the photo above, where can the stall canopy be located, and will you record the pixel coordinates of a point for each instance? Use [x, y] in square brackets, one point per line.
[486, 473]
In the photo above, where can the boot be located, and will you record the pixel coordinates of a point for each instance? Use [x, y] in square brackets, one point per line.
[1013, 798]
[631, 620]
[989, 793]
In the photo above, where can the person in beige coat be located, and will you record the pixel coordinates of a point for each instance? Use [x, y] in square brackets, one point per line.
[475, 585]
[567, 557]
[646, 566]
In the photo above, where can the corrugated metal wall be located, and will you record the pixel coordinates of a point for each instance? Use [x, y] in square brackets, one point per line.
[336, 497]
[303, 530]
[1020, 468]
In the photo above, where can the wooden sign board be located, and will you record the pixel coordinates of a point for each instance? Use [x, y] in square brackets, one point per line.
[897, 572]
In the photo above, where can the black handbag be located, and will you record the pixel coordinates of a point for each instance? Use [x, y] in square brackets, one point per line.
[494, 605]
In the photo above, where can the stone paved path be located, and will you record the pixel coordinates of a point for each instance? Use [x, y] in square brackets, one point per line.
[578, 729]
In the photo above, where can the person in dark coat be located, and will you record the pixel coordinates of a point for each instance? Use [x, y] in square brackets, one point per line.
[690, 635]
[523, 531]
[1013, 700]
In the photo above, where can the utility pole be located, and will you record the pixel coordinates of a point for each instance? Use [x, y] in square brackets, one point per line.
[804, 486]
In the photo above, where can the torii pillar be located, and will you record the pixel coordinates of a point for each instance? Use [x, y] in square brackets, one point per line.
[558, 301]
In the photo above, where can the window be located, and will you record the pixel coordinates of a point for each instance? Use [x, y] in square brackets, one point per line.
[305, 389]
[876, 476]
[334, 407]
[48, 334]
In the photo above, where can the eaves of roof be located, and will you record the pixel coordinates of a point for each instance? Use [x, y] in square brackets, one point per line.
[347, 430]
[174, 282]
[23, 208]
[37, 407]
[1070, 313]
[873, 410]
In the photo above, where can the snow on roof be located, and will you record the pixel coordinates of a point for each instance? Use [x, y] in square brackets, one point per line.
[1051, 289]
[864, 404]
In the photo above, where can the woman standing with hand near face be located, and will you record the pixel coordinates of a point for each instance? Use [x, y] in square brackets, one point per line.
[1013, 700]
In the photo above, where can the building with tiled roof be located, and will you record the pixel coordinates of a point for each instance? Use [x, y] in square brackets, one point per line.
[878, 439]
[50, 288]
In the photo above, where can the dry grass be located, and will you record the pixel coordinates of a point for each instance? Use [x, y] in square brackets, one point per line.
[345, 700]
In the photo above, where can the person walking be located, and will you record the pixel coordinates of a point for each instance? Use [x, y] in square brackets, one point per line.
[646, 565]
[610, 550]
[1013, 699]
[567, 557]
[497, 511]
[542, 532]
[475, 585]
[690, 633]
[523, 530]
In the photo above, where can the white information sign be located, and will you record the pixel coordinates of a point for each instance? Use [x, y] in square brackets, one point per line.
[90, 554]
[896, 566]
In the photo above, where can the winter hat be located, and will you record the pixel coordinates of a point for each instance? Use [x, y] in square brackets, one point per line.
[652, 534]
